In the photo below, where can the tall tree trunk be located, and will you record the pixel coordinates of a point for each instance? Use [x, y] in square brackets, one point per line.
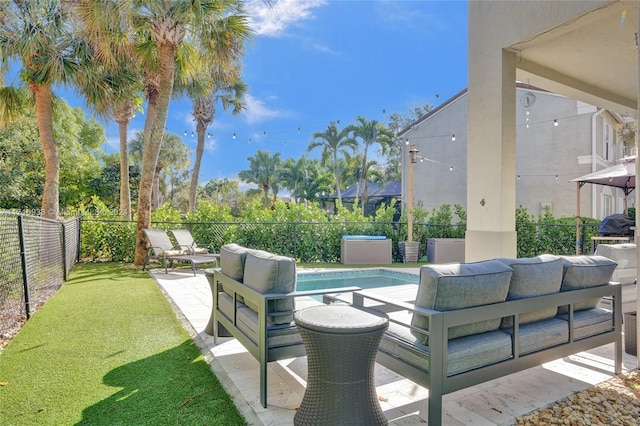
[193, 188]
[50, 195]
[365, 178]
[155, 189]
[336, 173]
[153, 134]
[125, 191]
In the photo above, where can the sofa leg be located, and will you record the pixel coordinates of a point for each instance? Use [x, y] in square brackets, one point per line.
[434, 415]
[263, 384]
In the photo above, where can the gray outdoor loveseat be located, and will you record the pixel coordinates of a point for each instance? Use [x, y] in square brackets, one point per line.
[254, 299]
[479, 321]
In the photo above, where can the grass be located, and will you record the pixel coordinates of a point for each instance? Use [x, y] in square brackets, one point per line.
[107, 349]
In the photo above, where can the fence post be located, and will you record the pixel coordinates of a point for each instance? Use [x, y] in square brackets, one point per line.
[64, 252]
[25, 275]
[295, 240]
[79, 219]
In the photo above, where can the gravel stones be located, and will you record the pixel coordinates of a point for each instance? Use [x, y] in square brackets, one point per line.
[615, 402]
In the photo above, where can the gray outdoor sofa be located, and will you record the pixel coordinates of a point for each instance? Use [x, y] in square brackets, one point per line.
[254, 298]
[479, 321]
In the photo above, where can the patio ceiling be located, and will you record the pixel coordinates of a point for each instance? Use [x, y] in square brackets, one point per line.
[592, 58]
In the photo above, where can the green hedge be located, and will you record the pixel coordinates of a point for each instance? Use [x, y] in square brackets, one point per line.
[307, 233]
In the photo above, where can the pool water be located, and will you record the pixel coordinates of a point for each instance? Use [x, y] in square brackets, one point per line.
[365, 279]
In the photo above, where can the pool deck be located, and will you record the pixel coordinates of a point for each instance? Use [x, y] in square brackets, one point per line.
[497, 402]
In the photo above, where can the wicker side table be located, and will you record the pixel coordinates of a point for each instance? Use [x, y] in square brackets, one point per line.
[341, 344]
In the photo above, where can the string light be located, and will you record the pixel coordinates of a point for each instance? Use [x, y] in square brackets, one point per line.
[450, 168]
[453, 137]
[555, 123]
[185, 133]
[191, 134]
[209, 135]
[234, 135]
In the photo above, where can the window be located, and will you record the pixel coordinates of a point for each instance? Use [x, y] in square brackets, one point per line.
[607, 205]
[606, 141]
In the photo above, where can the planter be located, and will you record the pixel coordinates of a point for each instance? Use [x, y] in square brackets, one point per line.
[409, 251]
[630, 333]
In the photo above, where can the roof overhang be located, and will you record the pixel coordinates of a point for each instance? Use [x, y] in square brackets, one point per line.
[592, 58]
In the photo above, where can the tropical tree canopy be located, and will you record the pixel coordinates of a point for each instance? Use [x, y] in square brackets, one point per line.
[264, 170]
[333, 142]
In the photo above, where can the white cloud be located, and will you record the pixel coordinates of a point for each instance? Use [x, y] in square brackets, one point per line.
[257, 111]
[272, 20]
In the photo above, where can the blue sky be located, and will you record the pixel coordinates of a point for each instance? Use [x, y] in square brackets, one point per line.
[312, 62]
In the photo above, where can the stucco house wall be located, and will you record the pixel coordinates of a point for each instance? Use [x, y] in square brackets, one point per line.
[547, 156]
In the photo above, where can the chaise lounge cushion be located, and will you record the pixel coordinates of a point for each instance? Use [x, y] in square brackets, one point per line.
[461, 285]
[533, 276]
[269, 273]
[585, 272]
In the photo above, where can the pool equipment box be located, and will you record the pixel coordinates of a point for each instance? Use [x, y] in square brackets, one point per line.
[445, 250]
[365, 249]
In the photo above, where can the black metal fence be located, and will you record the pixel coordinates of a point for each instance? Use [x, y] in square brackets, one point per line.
[36, 255]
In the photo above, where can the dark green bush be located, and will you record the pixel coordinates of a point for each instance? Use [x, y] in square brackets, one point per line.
[308, 234]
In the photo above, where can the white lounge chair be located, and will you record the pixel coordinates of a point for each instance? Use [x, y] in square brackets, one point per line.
[161, 248]
[185, 239]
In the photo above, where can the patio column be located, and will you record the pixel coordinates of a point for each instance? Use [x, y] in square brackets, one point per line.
[636, 232]
[491, 153]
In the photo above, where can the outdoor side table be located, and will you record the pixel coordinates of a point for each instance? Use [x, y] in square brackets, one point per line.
[341, 342]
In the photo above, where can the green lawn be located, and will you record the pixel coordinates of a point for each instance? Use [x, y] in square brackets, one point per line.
[107, 349]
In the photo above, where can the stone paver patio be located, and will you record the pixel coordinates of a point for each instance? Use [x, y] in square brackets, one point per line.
[497, 402]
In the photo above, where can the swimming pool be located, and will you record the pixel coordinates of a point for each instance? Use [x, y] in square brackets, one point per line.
[365, 279]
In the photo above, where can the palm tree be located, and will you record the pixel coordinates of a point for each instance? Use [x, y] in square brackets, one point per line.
[174, 155]
[370, 133]
[160, 29]
[122, 115]
[264, 170]
[230, 95]
[294, 175]
[38, 35]
[333, 141]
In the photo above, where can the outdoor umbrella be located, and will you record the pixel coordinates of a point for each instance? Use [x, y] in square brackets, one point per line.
[622, 175]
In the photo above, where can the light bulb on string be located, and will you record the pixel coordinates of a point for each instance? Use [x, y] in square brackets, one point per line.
[453, 137]
[185, 133]
[209, 135]
[191, 134]
[406, 141]
[555, 123]
[450, 168]
[234, 135]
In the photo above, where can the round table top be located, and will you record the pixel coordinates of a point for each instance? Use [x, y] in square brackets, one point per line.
[341, 319]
